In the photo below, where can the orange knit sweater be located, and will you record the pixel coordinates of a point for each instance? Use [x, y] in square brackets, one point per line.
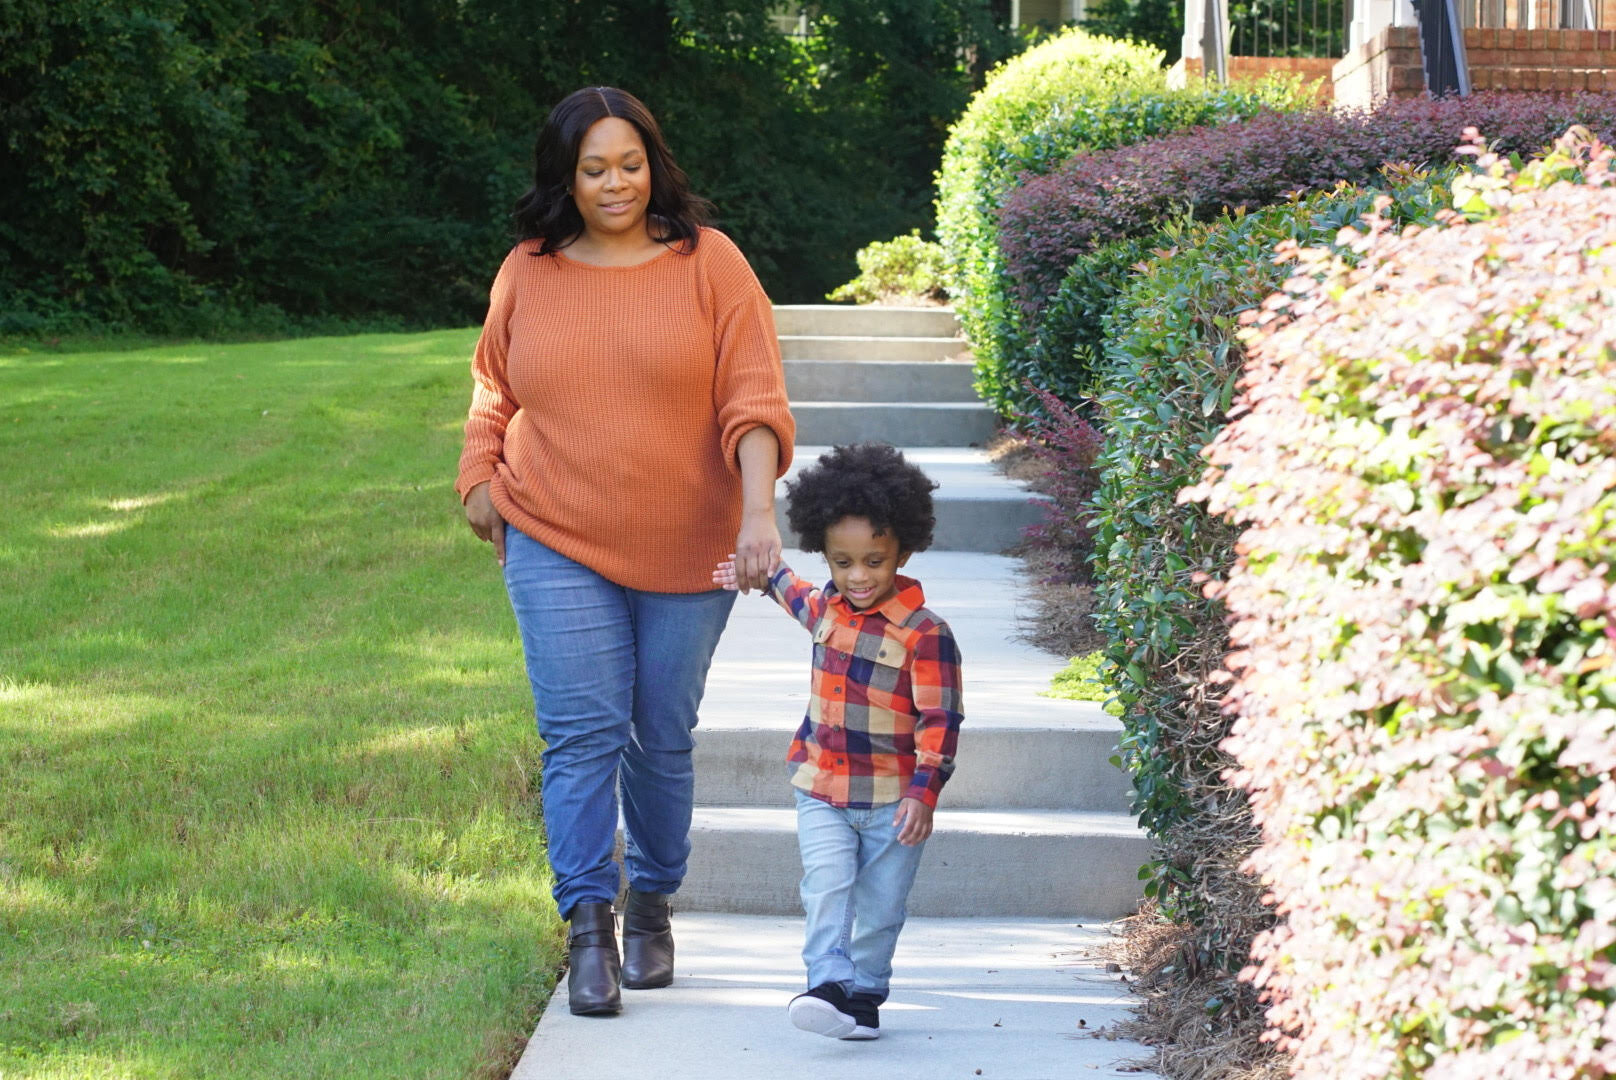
[608, 402]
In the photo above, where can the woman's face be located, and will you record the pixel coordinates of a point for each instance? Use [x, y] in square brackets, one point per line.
[611, 184]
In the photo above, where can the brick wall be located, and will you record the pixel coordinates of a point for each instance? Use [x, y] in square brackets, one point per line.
[1316, 70]
[1385, 66]
[1541, 59]
[1388, 65]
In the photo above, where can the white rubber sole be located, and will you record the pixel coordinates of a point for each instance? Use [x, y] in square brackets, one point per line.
[860, 1033]
[821, 1017]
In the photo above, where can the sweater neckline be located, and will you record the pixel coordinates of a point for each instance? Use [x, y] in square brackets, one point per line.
[570, 261]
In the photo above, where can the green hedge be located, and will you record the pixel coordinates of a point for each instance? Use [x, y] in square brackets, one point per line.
[1034, 112]
[1425, 612]
[1070, 93]
[1172, 364]
[1066, 350]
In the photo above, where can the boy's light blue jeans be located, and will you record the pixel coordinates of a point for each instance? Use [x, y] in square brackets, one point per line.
[617, 674]
[855, 887]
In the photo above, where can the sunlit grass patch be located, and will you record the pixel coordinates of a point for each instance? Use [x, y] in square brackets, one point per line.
[267, 754]
[1085, 678]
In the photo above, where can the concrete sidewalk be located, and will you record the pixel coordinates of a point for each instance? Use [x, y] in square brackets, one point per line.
[1011, 997]
[1003, 999]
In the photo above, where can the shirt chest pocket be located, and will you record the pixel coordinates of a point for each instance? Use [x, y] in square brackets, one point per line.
[880, 663]
[877, 662]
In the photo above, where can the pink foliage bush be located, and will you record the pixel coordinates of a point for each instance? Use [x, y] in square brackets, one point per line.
[1094, 199]
[1424, 636]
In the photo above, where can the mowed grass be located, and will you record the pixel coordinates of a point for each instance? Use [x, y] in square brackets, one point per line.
[268, 773]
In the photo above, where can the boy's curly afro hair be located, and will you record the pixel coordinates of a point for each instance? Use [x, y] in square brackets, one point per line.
[870, 480]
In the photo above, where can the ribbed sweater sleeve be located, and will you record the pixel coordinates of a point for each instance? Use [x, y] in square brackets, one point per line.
[492, 403]
[746, 384]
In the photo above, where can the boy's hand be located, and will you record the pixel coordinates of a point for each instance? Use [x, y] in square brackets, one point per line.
[724, 574]
[913, 820]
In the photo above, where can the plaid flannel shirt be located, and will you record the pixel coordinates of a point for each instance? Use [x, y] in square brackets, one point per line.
[884, 714]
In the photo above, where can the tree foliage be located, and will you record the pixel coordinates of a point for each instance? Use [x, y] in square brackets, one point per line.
[185, 165]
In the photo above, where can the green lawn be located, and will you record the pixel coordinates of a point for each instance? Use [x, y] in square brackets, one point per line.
[268, 772]
[1085, 678]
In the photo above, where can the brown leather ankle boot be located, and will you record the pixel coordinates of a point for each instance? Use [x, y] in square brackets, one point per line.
[594, 972]
[647, 941]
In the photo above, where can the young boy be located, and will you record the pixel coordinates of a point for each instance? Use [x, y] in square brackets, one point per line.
[878, 742]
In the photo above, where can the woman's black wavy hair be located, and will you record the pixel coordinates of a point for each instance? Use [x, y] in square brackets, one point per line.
[870, 480]
[547, 212]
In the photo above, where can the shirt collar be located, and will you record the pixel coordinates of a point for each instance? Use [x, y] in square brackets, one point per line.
[908, 599]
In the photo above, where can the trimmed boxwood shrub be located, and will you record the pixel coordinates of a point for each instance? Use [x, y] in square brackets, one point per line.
[1064, 354]
[1425, 636]
[1072, 92]
[1172, 365]
[1066, 236]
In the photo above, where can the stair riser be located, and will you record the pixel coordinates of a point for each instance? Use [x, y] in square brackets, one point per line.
[831, 424]
[988, 526]
[861, 349]
[757, 872]
[871, 321]
[1009, 769]
[835, 380]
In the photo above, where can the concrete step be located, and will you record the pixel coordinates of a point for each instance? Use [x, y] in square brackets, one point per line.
[998, 994]
[872, 319]
[999, 997]
[978, 508]
[925, 424]
[760, 672]
[1010, 768]
[880, 380]
[989, 526]
[997, 863]
[862, 349]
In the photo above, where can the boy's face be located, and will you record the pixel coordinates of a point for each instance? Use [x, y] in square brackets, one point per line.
[863, 565]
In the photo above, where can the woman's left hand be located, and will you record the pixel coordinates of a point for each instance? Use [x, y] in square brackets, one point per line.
[757, 549]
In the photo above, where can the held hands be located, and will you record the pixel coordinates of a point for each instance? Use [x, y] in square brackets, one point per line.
[485, 520]
[724, 574]
[913, 821]
[757, 551]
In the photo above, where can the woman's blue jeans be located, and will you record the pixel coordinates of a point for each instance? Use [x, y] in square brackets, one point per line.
[617, 675]
[855, 892]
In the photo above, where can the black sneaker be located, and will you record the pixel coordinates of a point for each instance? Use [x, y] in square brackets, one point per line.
[824, 1010]
[866, 1017]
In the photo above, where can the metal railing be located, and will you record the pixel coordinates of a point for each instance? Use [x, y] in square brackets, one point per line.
[1531, 14]
[1290, 27]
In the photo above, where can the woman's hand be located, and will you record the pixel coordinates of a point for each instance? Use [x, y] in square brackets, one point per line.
[913, 821]
[757, 549]
[485, 520]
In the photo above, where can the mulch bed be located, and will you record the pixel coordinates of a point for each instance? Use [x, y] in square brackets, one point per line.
[1190, 1040]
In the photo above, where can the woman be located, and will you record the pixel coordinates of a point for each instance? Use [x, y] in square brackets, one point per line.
[628, 423]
